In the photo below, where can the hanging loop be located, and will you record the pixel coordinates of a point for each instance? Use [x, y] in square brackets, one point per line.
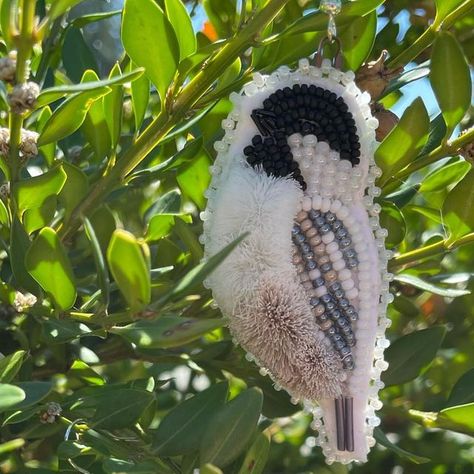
[337, 58]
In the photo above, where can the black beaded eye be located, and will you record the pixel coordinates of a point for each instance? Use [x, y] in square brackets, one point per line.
[305, 109]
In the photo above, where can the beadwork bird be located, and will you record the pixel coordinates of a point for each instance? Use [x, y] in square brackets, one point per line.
[304, 292]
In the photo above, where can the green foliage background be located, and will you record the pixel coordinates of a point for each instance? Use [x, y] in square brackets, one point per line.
[123, 363]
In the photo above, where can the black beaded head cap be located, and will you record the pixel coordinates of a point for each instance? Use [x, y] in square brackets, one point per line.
[308, 110]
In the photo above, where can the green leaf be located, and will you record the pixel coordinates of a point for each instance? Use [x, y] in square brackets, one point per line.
[444, 7]
[119, 466]
[199, 273]
[458, 208]
[34, 391]
[84, 20]
[95, 126]
[10, 396]
[179, 18]
[102, 272]
[167, 331]
[76, 55]
[409, 355]
[48, 151]
[210, 469]
[140, 22]
[426, 286]
[257, 455]
[231, 428]
[382, 439]
[83, 372]
[10, 365]
[405, 141]
[392, 219]
[33, 192]
[59, 331]
[140, 89]
[59, 7]
[358, 39]
[130, 269]
[449, 66]
[445, 176]
[55, 93]
[181, 430]
[194, 178]
[70, 115]
[39, 217]
[113, 108]
[159, 226]
[462, 415]
[406, 77]
[118, 409]
[463, 390]
[74, 190]
[189, 152]
[4, 215]
[429, 212]
[11, 445]
[436, 135]
[48, 264]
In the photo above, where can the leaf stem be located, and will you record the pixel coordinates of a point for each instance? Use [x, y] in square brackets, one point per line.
[24, 43]
[185, 101]
[415, 256]
[425, 160]
[425, 40]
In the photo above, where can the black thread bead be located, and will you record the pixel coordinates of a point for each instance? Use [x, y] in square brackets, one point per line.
[248, 150]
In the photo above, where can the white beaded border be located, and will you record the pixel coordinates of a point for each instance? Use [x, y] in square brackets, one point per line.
[362, 100]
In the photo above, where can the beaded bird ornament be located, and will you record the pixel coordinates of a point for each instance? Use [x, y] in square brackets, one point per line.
[305, 292]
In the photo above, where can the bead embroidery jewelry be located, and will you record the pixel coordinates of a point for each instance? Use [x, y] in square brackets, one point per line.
[306, 291]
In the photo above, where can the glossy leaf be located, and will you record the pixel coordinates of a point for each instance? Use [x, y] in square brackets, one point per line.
[33, 192]
[130, 269]
[357, 40]
[179, 18]
[393, 220]
[436, 135]
[140, 22]
[10, 395]
[181, 429]
[113, 107]
[52, 94]
[449, 66]
[189, 152]
[462, 415]
[231, 428]
[382, 439]
[411, 354]
[84, 20]
[257, 455]
[95, 124]
[102, 272]
[120, 410]
[444, 7]
[194, 178]
[159, 226]
[406, 77]
[167, 331]
[48, 264]
[20, 243]
[59, 7]
[70, 115]
[38, 217]
[445, 176]
[426, 286]
[35, 392]
[405, 141]
[458, 208]
[10, 365]
[199, 273]
[48, 151]
[210, 469]
[75, 188]
[77, 55]
[140, 88]
[463, 390]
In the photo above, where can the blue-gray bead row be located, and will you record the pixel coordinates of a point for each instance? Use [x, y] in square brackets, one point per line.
[340, 331]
